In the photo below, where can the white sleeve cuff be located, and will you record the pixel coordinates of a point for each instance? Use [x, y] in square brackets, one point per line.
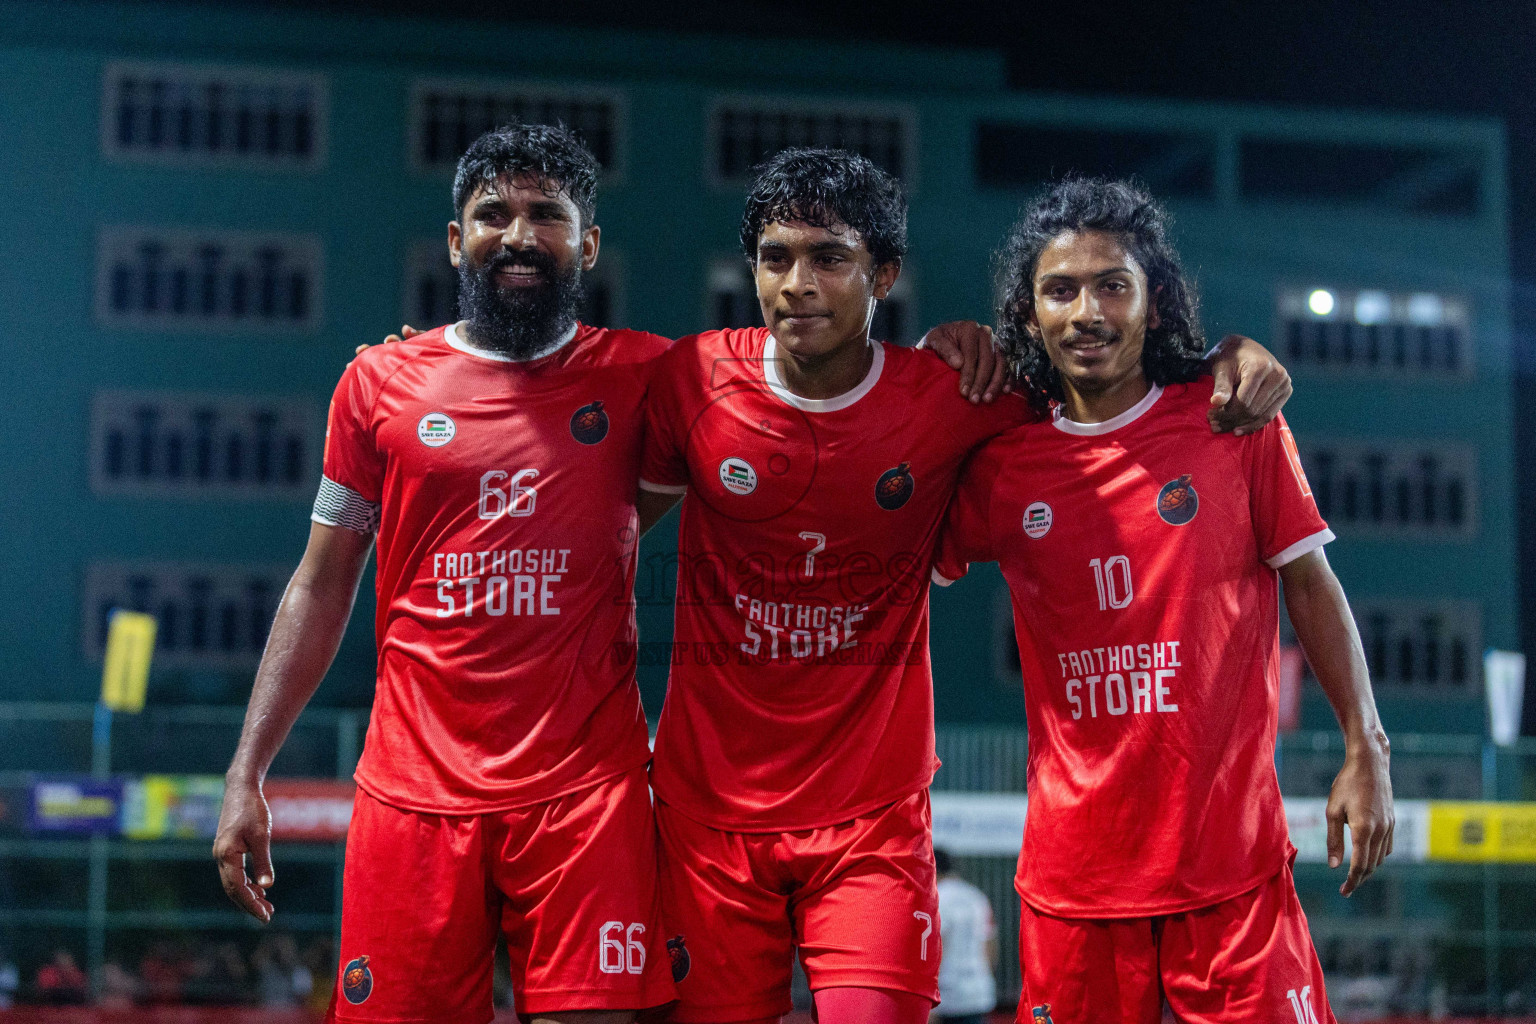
[939, 579]
[646, 485]
[1305, 546]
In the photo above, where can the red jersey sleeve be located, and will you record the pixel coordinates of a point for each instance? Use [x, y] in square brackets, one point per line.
[663, 462]
[353, 478]
[966, 536]
[1286, 522]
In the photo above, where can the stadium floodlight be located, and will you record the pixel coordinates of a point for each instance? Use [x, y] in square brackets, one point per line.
[1426, 309]
[1373, 307]
[1320, 302]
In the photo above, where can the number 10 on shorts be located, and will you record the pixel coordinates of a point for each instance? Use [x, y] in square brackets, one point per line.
[1301, 1005]
[620, 949]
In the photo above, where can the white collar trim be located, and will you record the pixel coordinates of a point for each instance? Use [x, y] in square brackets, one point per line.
[842, 401]
[455, 340]
[1126, 418]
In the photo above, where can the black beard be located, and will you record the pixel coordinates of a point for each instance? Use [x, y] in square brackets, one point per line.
[518, 322]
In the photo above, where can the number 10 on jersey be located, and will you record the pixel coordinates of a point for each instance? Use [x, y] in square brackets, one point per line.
[1112, 577]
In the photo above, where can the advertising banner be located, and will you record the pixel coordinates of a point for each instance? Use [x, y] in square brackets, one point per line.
[172, 806]
[310, 810]
[78, 806]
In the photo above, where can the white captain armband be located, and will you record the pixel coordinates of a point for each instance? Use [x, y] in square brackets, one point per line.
[339, 505]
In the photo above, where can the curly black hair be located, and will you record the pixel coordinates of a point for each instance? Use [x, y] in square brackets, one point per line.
[550, 154]
[823, 187]
[1172, 350]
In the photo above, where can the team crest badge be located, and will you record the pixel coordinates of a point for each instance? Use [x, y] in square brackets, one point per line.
[677, 952]
[894, 488]
[1041, 1014]
[1037, 520]
[357, 981]
[1177, 502]
[738, 476]
[589, 424]
[435, 429]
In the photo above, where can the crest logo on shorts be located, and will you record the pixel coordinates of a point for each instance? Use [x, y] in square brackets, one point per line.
[1177, 502]
[589, 424]
[738, 476]
[1042, 1014]
[894, 488]
[1037, 520]
[357, 981]
[435, 429]
[677, 952]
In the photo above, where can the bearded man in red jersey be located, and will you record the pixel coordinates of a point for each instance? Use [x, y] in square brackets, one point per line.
[502, 786]
[1142, 554]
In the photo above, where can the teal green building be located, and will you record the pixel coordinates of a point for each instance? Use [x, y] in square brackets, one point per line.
[208, 208]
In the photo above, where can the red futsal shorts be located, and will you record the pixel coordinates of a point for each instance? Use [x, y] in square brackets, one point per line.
[857, 899]
[1249, 958]
[572, 883]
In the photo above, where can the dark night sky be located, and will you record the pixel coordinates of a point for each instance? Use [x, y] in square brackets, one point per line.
[1410, 55]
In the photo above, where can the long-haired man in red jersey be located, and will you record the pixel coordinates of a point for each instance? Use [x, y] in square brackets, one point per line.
[502, 786]
[795, 749]
[1144, 556]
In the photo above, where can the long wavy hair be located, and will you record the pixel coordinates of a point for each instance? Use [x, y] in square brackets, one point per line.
[1172, 351]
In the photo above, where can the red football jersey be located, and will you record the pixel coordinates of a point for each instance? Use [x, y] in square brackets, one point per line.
[1140, 554]
[504, 497]
[800, 694]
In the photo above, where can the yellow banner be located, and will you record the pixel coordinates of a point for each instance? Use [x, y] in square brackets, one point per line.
[125, 676]
[1472, 832]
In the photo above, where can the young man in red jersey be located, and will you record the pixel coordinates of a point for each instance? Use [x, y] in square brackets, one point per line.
[502, 786]
[795, 749]
[1142, 553]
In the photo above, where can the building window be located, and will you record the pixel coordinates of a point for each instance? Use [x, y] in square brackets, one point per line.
[1391, 177]
[1371, 330]
[1388, 488]
[1422, 645]
[170, 278]
[214, 115]
[173, 445]
[210, 617]
[432, 289]
[447, 116]
[1013, 156]
[744, 132]
[733, 303]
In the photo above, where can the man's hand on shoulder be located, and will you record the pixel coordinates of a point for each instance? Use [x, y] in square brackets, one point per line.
[1251, 386]
[967, 346]
[406, 331]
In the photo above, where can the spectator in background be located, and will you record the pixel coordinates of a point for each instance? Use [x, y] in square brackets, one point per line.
[319, 960]
[281, 979]
[60, 980]
[118, 988]
[10, 981]
[967, 985]
[162, 974]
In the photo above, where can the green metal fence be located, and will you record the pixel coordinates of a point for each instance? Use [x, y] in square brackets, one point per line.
[1418, 938]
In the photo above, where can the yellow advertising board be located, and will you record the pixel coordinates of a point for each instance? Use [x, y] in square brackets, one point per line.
[1482, 832]
[125, 675]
